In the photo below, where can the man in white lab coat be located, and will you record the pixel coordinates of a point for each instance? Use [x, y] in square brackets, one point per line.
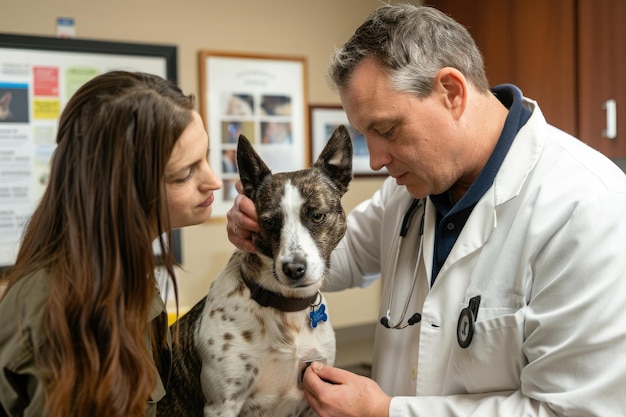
[506, 295]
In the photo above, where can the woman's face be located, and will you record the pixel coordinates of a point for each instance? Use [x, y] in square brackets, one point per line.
[189, 179]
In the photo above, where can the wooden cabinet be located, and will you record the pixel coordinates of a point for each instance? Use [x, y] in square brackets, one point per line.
[601, 72]
[566, 54]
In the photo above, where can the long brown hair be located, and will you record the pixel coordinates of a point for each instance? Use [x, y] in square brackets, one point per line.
[93, 231]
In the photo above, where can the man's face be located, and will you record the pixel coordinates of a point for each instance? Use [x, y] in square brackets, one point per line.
[413, 137]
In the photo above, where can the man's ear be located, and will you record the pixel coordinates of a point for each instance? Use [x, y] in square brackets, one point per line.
[453, 86]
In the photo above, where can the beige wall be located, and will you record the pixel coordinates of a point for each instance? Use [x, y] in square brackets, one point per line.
[309, 28]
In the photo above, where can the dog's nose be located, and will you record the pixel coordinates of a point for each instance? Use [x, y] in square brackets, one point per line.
[294, 270]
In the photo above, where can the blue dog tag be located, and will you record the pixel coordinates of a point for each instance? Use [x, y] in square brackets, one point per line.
[318, 315]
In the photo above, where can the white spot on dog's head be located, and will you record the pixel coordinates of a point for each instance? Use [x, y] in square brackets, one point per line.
[297, 247]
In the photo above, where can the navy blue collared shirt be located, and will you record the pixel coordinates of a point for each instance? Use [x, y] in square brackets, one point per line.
[452, 217]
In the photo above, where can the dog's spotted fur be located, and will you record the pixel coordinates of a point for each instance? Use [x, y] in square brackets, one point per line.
[249, 354]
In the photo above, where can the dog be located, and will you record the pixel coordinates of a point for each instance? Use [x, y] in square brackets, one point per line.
[244, 348]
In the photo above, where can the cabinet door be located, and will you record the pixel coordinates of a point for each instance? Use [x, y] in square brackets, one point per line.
[602, 72]
[529, 43]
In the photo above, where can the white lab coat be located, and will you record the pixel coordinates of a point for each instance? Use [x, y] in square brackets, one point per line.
[545, 248]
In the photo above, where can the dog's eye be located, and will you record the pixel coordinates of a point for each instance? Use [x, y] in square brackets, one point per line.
[318, 217]
[269, 223]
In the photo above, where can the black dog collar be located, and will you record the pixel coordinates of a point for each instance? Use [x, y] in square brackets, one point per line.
[268, 298]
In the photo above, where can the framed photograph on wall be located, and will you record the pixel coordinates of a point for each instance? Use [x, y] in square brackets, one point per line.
[262, 97]
[323, 121]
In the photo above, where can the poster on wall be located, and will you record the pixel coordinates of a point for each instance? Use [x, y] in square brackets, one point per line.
[261, 97]
[38, 75]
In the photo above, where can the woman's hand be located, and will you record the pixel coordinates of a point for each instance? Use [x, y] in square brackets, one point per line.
[242, 221]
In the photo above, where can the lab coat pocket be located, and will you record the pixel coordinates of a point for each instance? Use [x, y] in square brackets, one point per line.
[494, 359]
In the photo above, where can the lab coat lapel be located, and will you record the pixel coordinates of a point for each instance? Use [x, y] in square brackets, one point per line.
[521, 159]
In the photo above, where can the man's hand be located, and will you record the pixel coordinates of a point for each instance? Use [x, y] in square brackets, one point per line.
[334, 392]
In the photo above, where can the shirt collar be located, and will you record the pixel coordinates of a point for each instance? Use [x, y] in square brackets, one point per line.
[511, 97]
[157, 306]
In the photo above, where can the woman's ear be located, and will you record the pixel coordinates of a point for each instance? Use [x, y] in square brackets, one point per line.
[453, 87]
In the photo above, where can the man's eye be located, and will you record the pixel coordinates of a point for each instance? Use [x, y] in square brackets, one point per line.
[387, 133]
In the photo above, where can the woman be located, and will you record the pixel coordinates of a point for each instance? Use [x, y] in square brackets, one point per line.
[84, 329]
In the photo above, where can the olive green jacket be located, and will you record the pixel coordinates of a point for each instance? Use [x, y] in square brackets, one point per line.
[21, 316]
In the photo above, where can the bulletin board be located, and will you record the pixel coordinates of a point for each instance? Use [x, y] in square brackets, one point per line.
[38, 75]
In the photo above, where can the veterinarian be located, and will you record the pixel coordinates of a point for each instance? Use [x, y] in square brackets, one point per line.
[84, 330]
[506, 296]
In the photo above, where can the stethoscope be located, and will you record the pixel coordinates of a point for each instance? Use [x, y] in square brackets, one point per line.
[404, 228]
[467, 318]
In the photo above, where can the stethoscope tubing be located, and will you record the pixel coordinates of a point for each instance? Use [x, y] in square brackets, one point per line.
[406, 222]
[467, 318]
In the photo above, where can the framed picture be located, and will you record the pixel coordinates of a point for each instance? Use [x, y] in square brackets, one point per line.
[38, 75]
[261, 97]
[323, 121]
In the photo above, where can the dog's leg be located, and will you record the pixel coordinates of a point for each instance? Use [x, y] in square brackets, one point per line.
[227, 397]
[229, 369]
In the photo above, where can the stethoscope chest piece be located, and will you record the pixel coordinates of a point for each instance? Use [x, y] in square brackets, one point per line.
[465, 328]
[467, 319]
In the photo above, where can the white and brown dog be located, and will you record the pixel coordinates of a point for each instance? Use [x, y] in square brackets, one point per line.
[244, 347]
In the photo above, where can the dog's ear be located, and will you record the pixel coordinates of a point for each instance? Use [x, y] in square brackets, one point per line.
[252, 169]
[335, 160]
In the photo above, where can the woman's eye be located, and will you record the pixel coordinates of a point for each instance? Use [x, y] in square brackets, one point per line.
[186, 177]
[318, 217]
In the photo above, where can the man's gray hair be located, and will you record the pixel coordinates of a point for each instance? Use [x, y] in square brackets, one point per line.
[413, 43]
